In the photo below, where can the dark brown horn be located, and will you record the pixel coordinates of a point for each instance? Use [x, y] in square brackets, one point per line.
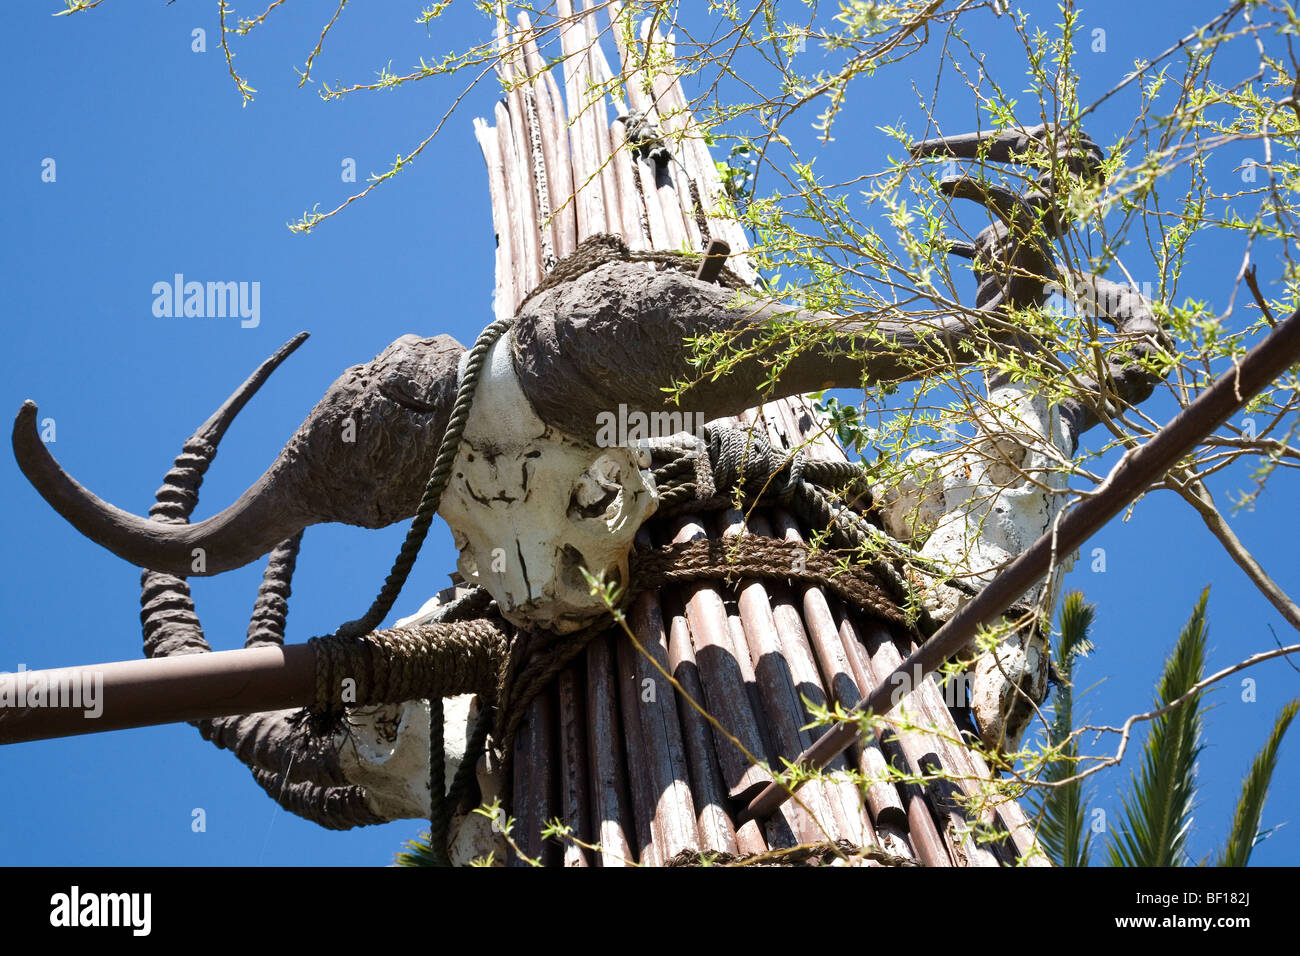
[361, 457]
[619, 335]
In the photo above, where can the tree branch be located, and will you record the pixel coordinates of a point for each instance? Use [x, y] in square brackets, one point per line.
[1198, 496]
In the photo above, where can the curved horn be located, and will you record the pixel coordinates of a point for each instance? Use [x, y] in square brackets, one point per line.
[295, 761]
[619, 335]
[361, 457]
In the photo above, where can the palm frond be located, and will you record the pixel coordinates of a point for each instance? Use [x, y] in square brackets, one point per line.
[1158, 809]
[1245, 834]
[1062, 831]
[418, 852]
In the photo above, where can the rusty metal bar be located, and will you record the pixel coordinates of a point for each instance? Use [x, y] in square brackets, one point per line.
[1129, 478]
[160, 691]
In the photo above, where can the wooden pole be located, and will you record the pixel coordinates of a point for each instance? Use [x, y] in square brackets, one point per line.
[1137, 470]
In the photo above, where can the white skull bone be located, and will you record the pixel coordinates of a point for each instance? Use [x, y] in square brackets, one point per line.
[529, 506]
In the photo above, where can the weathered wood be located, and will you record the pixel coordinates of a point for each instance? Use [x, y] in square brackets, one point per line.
[842, 793]
[678, 120]
[534, 770]
[669, 206]
[784, 712]
[677, 200]
[632, 216]
[645, 174]
[724, 688]
[715, 259]
[639, 777]
[887, 825]
[600, 124]
[520, 169]
[883, 797]
[531, 160]
[675, 813]
[922, 747]
[517, 206]
[971, 769]
[715, 827]
[611, 811]
[565, 188]
[929, 846]
[582, 125]
[892, 838]
[558, 180]
[629, 58]
[780, 830]
[503, 299]
[842, 678]
[575, 800]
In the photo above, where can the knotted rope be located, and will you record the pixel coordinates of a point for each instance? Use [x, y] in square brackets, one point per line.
[757, 557]
[811, 854]
[407, 663]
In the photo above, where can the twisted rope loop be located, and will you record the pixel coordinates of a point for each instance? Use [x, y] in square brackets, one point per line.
[434, 487]
[407, 663]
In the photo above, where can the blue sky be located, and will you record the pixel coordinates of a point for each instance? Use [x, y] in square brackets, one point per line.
[160, 171]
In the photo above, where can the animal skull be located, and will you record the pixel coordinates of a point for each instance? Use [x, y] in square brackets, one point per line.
[529, 506]
[976, 510]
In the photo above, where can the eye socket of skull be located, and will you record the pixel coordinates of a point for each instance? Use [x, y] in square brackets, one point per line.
[603, 491]
[597, 491]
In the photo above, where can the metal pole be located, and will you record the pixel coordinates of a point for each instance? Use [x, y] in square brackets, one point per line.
[1137, 470]
[66, 701]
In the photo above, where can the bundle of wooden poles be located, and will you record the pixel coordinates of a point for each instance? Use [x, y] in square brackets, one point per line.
[614, 749]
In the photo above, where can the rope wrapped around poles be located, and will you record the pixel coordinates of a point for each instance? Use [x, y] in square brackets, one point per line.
[758, 557]
[408, 663]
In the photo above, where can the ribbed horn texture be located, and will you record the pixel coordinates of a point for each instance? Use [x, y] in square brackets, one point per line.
[360, 457]
[293, 760]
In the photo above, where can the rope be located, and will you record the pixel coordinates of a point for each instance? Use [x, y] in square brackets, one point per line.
[435, 486]
[407, 663]
[439, 818]
[439, 809]
[752, 556]
[733, 459]
[812, 854]
[532, 663]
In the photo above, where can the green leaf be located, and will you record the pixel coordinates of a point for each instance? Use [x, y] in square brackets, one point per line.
[1158, 809]
[417, 852]
[1254, 791]
[1063, 831]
